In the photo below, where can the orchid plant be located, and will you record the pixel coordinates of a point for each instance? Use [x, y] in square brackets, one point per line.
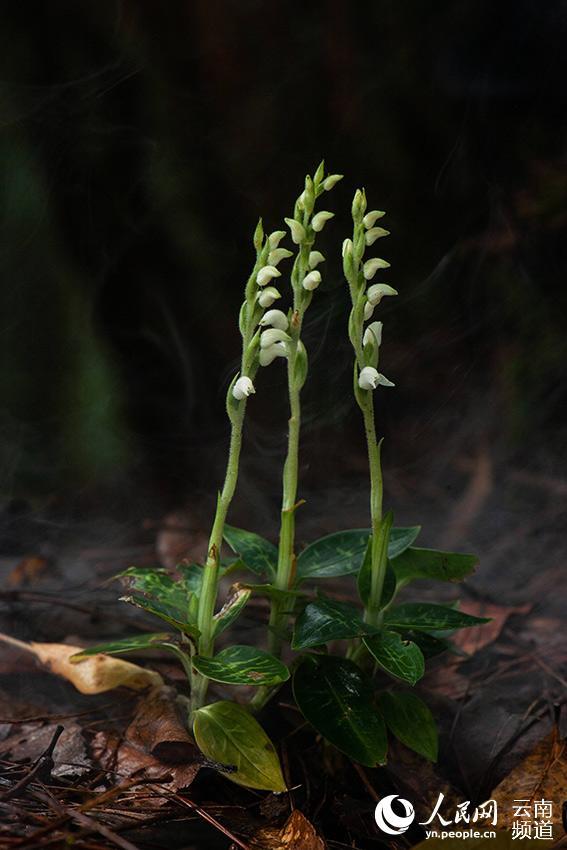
[351, 664]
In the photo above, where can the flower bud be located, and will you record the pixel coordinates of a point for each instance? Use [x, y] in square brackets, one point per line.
[243, 388]
[347, 247]
[319, 174]
[368, 310]
[265, 275]
[377, 291]
[271, 336]
[315, 257]
[370, 267]
[296, 229]
[375, 233]
[373, 334]
[311, 281]
[358, 205]
[371, 218]
[370, 378]
[308, 196]
[331, 181]
[277, 255]
[275, 318]
[269, 354]
[258, 235]
[275, 238]
[267, 296]
[319, 220]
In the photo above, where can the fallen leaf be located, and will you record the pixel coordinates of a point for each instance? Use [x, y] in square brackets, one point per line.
[297, 834]
[476, 638]
[28, 571]
[542, 775]
[93, 675]
[158, 727]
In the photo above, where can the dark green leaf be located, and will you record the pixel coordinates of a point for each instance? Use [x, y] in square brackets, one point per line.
[337, 698]
[231, 609]
[341, 553]
[411, 721]
[258, 554]
[431, 564]
[191, 576]
[227, 734]
[400, 658]
[129, 644]
[242, 665]
[272, 592]
[422, 616]
[325, 620]
[164, 612]
[429, 644]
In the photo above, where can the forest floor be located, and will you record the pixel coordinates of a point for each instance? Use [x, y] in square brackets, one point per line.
[119, 769]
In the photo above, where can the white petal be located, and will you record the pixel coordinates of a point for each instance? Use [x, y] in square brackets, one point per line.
[383, 381]
[315, 257]
[311, 281]
[375, 233]
[368, 310]
[319, 220]
[331, 181]
[373, 334]
[268, 355]
[371, 218]
[243, 388]
[268, 295]
[272, 335]
[275, 238]
[277, 255]
[378, 290]
[347, 247]
[275, 318]
[368, 378]
[266, 274]
[296, 229]
[370, 267]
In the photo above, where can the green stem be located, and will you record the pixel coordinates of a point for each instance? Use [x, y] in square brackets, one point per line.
[209, 589]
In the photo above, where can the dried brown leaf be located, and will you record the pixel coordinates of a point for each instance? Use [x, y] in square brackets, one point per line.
[296, 834]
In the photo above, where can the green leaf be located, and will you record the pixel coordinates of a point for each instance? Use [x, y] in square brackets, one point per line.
[272, 592]
[231, 609]
[325, 620]
[242, 665]
[411, 721]
[227, 734]
[130, 644]
[431, 564]
[429, 644]
[168, 614]
[400, 658]
[191, 577]
[258, 554]
[156, 592]
[337, 698]
[422, 616]
[341, 553]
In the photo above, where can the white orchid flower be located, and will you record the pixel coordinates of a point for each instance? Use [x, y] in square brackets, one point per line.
[275, 238]
[377, 291]
[243, 388]
[268, 355]
[320, 219]
[315, 257]
[268, 295]
[331, 181]
[347, 247]
[373, 334]
[275, 318]
[266, 274]
[370, 267]
[272, 335]
[277, 255]
[370, 378]
[368, 310]
[375, 233]
[372, 217]
[311, 281]
[296, 229]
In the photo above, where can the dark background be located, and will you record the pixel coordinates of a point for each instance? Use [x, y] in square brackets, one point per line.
[139, 143]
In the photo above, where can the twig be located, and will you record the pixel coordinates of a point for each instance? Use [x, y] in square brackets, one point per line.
[43, 765]
[210, 819]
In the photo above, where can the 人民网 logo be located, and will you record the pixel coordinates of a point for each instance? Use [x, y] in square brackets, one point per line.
[387, 819]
